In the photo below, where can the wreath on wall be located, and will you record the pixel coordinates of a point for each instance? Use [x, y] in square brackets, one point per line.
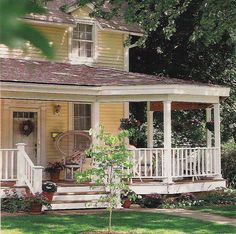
[26, 127]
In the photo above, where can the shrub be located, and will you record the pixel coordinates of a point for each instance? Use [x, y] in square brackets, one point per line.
[220, 197]
[229, 164]
[14, 202]
[153, 200]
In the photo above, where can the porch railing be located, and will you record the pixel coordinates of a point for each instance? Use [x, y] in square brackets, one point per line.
[8, 164]
[187, 162]
[150, 163]
[17, 166]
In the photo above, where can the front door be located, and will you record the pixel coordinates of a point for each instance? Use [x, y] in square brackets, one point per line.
[25, 130]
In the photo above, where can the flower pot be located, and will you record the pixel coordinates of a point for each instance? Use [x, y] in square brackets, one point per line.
[36, 208]
[48, 195]
[54, 176]
[127, 203]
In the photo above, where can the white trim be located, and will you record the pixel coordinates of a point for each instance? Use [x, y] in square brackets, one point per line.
[74, 59]
[53, 24]
[149, 126]
[95, 119]
[118, 90]
[126, 55]
[167, 140]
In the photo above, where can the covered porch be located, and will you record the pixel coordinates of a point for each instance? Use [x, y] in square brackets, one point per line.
[164, 170]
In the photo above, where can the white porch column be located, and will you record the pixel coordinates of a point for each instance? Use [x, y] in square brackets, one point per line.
[20, 165]
[209, 134]
[149, 126]
[38, 175]
[96, 119]
[217, 139]
[167, 141]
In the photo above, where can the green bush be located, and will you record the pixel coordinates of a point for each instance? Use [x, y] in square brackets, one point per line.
[229, 164]
[13, 202]
[153, 200]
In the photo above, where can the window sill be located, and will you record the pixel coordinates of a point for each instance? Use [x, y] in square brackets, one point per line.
[79, 60]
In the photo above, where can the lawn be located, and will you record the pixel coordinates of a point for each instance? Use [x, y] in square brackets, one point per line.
[227, 211]
[132, 222]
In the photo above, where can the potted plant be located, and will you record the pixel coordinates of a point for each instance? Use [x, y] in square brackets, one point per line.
[128, 197]
[36, 201]
[54, 170]
[49, 188]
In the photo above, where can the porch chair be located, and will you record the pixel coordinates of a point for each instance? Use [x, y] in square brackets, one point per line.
[72, 146]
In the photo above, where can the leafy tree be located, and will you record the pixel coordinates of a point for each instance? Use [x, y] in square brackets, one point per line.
[110, 158]
[15, 32]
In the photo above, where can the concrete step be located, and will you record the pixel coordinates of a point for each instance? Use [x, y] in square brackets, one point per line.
[67, 189]
[78, 205]
[77, 197]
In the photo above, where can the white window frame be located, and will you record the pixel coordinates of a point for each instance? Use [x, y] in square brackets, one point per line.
[76, 59]
[73, 115]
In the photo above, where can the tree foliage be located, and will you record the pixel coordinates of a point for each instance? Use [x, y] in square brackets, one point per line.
[110, 157]
[15, 32]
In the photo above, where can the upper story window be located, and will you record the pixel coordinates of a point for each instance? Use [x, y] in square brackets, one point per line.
[83, 41]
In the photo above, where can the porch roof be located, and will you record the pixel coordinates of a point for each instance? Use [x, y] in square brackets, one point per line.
[44, 80]
[44, 72]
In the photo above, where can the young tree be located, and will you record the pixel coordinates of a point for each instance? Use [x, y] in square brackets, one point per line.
[112, 164]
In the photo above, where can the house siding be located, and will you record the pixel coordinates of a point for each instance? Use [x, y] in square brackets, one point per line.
[110, 115]
[57, 36]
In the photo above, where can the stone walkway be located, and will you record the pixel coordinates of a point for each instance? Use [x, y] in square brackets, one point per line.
[191, 214]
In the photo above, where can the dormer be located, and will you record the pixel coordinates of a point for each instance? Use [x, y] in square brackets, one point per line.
[78, 38]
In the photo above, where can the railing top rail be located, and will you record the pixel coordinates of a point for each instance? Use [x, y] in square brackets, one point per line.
[196, 148]
[8, 149]
[148, 149]
[28, 160]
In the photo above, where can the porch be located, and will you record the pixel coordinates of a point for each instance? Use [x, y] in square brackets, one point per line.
[108, 93]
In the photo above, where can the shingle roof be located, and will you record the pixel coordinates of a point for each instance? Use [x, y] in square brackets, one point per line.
[55, 15]
[44, 72]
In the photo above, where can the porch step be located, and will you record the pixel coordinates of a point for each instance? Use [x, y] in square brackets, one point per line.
[80, 205]
[78, 197]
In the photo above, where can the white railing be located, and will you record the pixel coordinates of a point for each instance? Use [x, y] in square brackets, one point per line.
[185, 162]
[16, 165]
[8, 162]
[195, 162]
[148, 163]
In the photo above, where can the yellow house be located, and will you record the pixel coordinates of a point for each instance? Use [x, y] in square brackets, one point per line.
[89, 85]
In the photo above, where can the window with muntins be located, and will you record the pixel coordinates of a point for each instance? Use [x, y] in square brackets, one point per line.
[83, 41]
[82, 117]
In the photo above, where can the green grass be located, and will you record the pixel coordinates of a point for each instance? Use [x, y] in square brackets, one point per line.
[227, 211]
[132, 222]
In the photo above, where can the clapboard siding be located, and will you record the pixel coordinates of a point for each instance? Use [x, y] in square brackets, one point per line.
[57, 36]
[55, 123]
[110, 116]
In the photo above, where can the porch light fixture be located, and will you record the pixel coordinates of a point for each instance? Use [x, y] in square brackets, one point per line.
[54, 135]
[57, 109]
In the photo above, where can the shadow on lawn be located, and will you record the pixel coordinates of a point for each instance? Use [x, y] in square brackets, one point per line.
[132, 222]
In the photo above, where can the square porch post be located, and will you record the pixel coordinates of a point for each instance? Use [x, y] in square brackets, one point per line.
[96, 119]
[149, 126]
[167, 141]
[217, 140]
